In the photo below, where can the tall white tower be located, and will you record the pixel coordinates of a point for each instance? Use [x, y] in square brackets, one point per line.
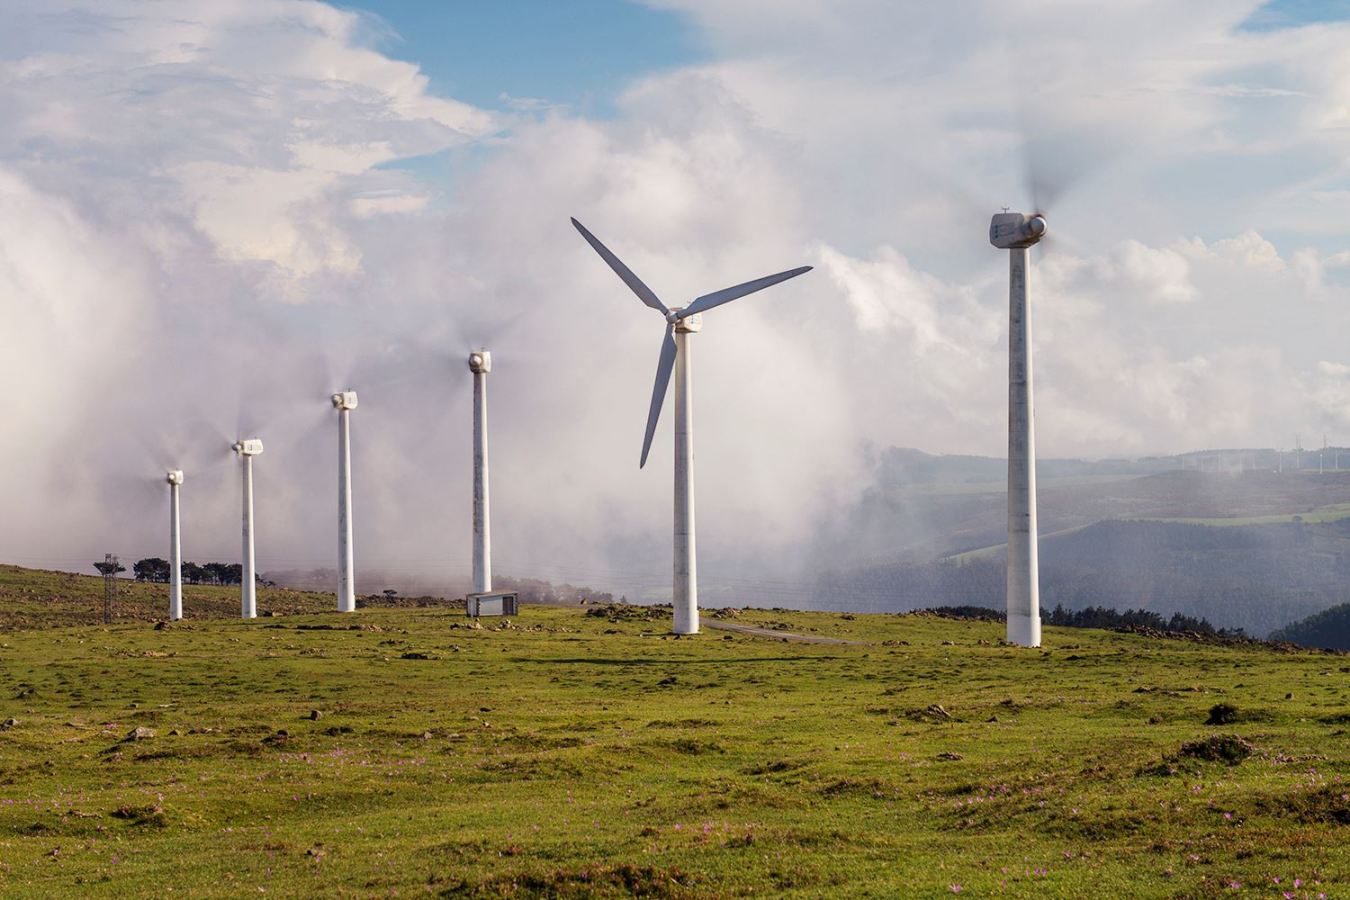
[344, 403]
[175, 479]
[248, 593]
[1016, 233]
[480, 364]
[685, 593]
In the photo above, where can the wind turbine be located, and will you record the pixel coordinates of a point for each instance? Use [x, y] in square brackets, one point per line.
[1017, 232]
[174, 477]
[1056, 154]
[344, 402]
[480, 363]
[680, 323]
[247, 449]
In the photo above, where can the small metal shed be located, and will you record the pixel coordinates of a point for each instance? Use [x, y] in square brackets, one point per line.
[492, 603]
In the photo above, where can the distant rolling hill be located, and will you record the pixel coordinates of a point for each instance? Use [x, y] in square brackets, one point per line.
[1254, 549]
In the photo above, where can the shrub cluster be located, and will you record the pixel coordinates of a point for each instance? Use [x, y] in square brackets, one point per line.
[157, 570]
[1091, 617]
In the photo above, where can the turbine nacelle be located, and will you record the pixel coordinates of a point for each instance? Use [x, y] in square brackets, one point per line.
[174, 476]
[480, 362]
[1013, 230]
[249, 447]
[344, 400]
[690, 324]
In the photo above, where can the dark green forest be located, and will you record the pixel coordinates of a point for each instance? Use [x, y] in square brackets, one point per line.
[1329, 629]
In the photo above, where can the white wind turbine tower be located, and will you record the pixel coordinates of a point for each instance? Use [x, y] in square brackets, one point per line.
[248, 594]
[680, 323]
[1016, 233]
[174, 477]
[480, 363]
[344, 402]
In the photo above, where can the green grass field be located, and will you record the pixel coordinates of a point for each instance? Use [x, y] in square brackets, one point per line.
[34, 598]
[407, 752]
[1333, 512]
[997, 549]
[1000, 487]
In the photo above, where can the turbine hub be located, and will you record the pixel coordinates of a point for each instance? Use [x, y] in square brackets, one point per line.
[689, 324]
[174, 476]
[249, 447]
[480, 362]
[344, 400]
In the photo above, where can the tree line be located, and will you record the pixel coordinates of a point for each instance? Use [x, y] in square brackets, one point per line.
[1095, 617]
[537, 591]
[155, 569]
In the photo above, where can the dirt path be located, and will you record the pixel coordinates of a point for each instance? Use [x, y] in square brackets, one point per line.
[777, 635]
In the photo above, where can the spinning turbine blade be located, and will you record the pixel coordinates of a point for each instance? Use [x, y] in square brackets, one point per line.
[1057, 153]
[645, 294]
[726, 295]
[663, 367]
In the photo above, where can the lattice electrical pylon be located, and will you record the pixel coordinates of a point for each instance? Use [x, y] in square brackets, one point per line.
[109, 568]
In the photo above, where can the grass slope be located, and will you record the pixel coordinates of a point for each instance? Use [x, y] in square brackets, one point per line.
[571, 755]
[1333, 512]
[36, 598]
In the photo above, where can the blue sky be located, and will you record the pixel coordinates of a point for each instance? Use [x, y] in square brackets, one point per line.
[582, 53]
[1291, 13]
[579, 53]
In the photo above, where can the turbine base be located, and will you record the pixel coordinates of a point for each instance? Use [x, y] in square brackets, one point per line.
[1024, 630]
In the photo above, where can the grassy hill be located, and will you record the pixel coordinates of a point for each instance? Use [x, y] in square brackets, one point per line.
[564, 754]
[33, 598]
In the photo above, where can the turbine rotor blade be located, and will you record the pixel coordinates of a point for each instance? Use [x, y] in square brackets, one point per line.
[726, 295]
[664, 364]
[1057, 156]
[645, 294]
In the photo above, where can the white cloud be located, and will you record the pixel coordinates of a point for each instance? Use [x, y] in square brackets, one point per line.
[256, 112]
[1159, 274]
[1250, 250]
[384, 204]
